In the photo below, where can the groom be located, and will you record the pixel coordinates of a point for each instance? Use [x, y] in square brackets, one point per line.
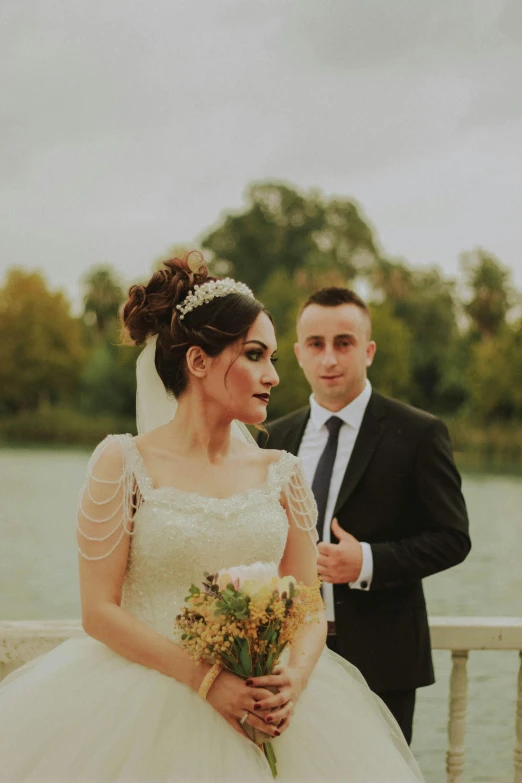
[391, 511]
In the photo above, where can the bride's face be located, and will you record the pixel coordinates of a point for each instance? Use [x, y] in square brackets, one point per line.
[242, 376]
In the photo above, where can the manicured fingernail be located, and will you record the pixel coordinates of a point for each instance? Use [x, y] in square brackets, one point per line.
[277, 733]
[257, 706]
[249, 682]
[269, 719]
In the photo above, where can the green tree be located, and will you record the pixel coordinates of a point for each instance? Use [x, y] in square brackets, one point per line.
[284, 229]
[494, 376]
[491, 292]
[293, 391]
[108, 381]
[393, 280]
[283, 296]
[391, 371]
[425, 302]
[41, 350]
[102, 298]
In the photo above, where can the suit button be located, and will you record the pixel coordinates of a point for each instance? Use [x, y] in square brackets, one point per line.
[364, 585]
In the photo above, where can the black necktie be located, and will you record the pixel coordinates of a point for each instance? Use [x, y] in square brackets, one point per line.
[323, 472]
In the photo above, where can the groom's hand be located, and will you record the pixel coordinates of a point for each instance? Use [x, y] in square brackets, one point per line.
[340, 563]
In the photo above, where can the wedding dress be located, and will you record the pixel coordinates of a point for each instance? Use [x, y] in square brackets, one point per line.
[83, 714]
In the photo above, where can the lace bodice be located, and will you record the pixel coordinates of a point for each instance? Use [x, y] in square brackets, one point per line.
[175, 536]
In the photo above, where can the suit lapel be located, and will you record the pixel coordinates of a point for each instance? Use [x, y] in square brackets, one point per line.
[294, 436]
[370, 433]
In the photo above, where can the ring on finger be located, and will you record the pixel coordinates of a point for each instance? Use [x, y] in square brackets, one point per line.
[243, 719]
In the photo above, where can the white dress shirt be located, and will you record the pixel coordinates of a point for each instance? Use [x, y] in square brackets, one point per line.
[312, 446]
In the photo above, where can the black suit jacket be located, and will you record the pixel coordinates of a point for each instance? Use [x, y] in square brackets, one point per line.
[402, 494]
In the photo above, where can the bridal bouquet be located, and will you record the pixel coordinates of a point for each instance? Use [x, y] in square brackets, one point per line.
[243, 618]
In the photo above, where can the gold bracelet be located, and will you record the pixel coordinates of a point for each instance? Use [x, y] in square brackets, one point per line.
[208, 680]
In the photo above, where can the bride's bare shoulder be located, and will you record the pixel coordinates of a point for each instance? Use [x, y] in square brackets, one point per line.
[272, 455]
[262, 456]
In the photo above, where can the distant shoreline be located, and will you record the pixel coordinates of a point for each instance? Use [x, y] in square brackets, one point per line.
[494, 447]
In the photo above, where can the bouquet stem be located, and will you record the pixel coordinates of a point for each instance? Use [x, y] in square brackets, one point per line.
[256, 735]
[243, 618]
[262, 739]
[268, 750]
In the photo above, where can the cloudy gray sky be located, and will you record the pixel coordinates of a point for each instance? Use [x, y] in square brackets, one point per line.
[128, 126]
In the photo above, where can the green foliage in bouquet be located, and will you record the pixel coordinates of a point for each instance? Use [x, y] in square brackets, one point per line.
[244, 619]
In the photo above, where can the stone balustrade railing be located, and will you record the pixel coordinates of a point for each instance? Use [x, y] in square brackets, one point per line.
[22, 641]
[461, 635]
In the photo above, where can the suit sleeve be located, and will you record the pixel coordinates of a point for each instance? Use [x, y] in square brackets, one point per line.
[443, 539]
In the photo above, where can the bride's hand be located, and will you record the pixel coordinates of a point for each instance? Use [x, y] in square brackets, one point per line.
[233, 699]
[278, 708]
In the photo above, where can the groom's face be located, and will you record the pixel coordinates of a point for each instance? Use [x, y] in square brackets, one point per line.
[334, 349]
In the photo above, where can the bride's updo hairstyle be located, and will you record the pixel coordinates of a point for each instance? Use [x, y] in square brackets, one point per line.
[151, 309]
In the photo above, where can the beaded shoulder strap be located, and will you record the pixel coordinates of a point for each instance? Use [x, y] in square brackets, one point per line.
[139, 469]
[297, 495]
[109, 499]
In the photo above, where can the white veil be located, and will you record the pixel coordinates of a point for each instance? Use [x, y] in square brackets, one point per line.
[154, 406]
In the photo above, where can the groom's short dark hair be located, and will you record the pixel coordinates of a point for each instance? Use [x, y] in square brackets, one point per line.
[334, 297]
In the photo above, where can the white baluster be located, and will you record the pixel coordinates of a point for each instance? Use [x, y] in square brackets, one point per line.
[457, 716]
[518, 729]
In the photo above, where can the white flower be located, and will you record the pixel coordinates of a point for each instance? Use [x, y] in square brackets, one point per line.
[284, 583]
[256, 575]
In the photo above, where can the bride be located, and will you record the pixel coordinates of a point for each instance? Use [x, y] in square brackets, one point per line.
[126, 702]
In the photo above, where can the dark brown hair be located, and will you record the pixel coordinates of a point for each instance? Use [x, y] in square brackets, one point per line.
[334, 297]
[151, 309]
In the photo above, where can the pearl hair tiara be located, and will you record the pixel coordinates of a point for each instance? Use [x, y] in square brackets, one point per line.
[208, 291]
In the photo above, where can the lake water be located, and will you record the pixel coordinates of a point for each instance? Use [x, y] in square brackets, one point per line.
[39, 489]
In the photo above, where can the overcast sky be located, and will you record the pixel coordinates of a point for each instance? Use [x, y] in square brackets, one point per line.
[129, 126]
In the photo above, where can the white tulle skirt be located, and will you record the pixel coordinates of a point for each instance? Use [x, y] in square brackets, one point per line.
[83, 714]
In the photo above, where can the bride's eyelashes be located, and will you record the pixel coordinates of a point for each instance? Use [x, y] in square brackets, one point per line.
[255, 356]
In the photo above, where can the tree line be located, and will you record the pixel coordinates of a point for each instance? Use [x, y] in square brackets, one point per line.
[449, 346]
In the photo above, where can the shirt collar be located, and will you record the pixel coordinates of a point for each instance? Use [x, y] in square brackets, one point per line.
[352, 414]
